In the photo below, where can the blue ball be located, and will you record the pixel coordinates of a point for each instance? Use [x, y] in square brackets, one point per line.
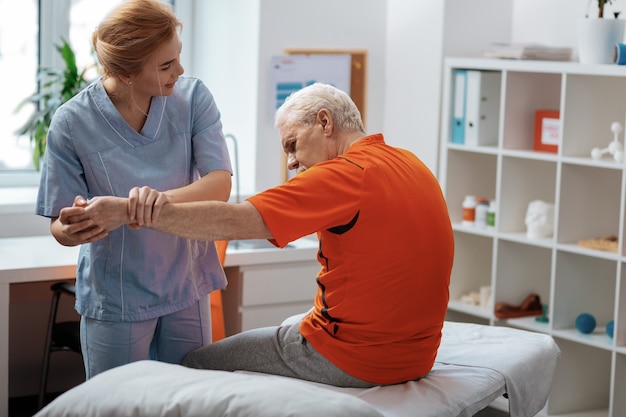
[610, 327]
[585, 323]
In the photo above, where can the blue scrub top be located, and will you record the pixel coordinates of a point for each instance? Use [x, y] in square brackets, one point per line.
[134, 275]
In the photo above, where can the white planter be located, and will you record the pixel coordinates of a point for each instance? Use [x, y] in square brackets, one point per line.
[597, 39]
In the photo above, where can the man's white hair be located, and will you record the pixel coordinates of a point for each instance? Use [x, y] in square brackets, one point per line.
[302, 106]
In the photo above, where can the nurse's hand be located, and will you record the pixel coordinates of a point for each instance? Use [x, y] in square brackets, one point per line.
[73, 226]
[144, 205]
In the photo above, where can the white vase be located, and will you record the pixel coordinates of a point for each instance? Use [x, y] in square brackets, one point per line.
[597, 39]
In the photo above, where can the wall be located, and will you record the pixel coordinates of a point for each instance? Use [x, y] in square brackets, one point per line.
[234, 41]
[233, 45]
[225, 47]
[419, 35]
[554, 22]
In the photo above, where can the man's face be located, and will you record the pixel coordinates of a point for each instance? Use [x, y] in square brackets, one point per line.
[305, 146]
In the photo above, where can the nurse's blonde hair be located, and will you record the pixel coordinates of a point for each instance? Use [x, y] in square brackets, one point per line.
[302, 106]
[131, 33]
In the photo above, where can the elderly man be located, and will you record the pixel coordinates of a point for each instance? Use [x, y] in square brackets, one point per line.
[385, 249]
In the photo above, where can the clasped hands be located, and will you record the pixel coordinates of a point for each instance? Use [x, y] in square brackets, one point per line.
[90, 220]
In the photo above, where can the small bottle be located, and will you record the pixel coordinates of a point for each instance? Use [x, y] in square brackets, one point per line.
[480, 217]
[469, 210]
[491, 215]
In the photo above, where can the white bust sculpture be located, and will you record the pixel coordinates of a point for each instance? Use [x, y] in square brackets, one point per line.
[539, 219]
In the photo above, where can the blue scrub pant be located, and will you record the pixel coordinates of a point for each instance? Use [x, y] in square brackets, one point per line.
[107, 344]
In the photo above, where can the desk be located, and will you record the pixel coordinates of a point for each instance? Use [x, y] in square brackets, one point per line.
[27, 259]
[41, 258]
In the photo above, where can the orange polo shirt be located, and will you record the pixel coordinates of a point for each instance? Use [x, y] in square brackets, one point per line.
[386, 249]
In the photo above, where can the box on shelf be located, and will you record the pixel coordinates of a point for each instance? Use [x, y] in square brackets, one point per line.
[547, 130]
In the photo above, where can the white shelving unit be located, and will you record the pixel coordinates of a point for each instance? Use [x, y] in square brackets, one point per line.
[589, 199]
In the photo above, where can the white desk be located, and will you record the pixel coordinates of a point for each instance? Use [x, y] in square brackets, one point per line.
[27, 259]
[41, 258]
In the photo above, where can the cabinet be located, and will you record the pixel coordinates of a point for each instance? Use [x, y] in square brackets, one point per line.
[265, 295]
[589, 201]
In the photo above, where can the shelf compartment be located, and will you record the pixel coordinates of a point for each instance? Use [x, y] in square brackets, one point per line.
[525, 93]
[580, 385]
[583, 284]
[587, 125]
[619, 385]
[468, 173]
[521, 270]
[462, 317]
[589, 203]
[619, 331]
[529, 323]
[472, 265]
[523, 180]
[470, 310]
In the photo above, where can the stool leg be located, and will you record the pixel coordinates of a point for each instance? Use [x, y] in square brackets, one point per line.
[47, 348]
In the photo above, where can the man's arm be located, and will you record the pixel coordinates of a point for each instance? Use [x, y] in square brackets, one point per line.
[201, 220]
[212, 220]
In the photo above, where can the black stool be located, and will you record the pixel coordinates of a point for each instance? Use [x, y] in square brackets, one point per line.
[61, 336]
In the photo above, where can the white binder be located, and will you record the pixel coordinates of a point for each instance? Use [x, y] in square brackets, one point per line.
[482, 104]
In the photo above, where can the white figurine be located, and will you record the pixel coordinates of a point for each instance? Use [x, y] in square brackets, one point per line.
[615, 148]
[539, 219]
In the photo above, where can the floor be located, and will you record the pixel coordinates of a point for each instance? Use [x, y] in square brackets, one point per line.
[491, 412]
[27, 407]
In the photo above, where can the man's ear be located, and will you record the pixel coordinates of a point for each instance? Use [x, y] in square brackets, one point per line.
[325, 120]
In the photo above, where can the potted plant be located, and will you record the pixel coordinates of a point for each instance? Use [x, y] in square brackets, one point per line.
[598, 36]
[58, 87]
[601, 4]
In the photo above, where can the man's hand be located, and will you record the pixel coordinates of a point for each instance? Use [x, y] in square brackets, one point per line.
[107, 212]
[144, 205]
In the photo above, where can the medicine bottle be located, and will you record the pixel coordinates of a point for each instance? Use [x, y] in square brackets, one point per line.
[480, 217]
[469, 210]
[491, 215]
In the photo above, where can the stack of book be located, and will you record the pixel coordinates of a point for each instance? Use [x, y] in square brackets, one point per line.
[530, 51]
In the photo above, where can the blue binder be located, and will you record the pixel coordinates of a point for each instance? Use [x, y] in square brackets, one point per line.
[458, 106]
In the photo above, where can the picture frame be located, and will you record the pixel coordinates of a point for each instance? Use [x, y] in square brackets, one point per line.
[547, 130]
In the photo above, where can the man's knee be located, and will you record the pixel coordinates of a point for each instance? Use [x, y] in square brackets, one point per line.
[193, 359]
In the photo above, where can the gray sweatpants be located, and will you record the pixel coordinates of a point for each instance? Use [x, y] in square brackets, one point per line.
[273, 350]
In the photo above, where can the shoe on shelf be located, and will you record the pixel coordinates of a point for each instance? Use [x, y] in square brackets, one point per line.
[530, 307]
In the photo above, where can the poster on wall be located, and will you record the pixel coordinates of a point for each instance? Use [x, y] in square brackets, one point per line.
[293, 72]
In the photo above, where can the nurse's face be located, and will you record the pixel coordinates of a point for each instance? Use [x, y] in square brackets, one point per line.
[160, 73]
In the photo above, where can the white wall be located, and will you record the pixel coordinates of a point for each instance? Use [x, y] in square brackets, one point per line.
[554, 22]
[419, 35]
[225, 46]
[233, 44]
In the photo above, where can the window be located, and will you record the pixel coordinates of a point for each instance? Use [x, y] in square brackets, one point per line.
[18, 70]
[29, 31]
[26, 41]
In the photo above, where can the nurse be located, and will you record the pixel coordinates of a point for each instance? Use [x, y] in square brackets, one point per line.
[141, 294]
